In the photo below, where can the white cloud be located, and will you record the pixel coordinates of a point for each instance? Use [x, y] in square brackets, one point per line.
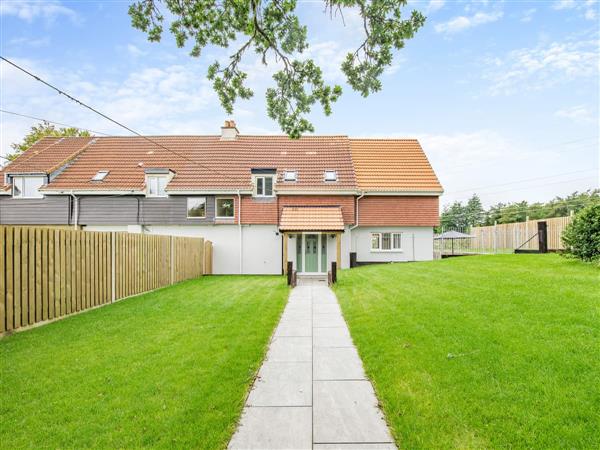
[29, 42]
[542, 66]
[461, 23]
[435, 5]
[527, 15]
[30, 10]
[588, 7]
[578, 114]
[135, 51]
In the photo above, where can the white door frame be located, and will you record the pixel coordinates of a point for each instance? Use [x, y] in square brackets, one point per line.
[319, 253]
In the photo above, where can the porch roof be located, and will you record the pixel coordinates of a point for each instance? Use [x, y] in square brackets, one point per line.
[311, 218]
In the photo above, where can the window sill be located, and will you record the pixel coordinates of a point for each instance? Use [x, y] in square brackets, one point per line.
[197, 218]
[387, 251]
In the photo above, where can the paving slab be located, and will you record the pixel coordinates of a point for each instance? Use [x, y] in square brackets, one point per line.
[282, 384]
[290, 349]
[311, 391]
[332, 337]
[337, 363]
[297, 328]
[362, 446]
[274, 429]
[334, 320]
[347, 412]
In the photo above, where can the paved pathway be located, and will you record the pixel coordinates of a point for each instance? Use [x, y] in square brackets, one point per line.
[311, 391]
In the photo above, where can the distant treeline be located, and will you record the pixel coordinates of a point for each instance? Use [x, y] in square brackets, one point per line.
[459, 215]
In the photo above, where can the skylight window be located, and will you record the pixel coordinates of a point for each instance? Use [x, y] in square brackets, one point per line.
[330, 175]
[100, 175]
[290, 175]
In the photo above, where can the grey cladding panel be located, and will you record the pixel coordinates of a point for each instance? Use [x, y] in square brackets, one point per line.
[50, 210]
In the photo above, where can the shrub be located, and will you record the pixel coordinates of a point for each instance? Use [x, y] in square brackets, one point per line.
[582, 235]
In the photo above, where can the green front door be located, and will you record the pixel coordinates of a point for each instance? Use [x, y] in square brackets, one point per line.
[311, 256]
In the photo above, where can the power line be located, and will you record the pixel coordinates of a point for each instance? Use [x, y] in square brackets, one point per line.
[51, 121]
[79, 102]
[521, 181]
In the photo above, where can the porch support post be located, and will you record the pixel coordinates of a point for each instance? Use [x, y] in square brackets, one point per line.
[285, 252]
[338, 239]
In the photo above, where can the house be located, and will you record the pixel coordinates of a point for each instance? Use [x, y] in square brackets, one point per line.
[261, 200]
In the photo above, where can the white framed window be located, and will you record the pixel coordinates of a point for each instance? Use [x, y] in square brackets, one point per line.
[28, 187]
[290, 175]
[156, 185]
[225, 208]
[264, 186]
[100, 175]
[196, 207]
[330, 175]
[386, 242]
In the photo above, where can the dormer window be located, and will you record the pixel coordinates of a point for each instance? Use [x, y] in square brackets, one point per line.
[156, 185]
[290, 175]
[27, 186]
[100, 175]
[264, 186]
[330, 175]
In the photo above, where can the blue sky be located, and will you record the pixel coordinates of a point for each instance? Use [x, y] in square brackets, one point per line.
[503, 95]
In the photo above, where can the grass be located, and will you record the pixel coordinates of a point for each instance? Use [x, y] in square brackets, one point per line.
[481, 351]
[168, 369]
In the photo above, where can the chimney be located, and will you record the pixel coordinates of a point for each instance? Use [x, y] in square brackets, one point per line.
[229, 131]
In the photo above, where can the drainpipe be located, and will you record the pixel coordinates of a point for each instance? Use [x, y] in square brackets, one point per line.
[356, 213]
[75, 209]
[240, 228]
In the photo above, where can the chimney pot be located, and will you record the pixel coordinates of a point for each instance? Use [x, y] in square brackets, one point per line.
[229, 131]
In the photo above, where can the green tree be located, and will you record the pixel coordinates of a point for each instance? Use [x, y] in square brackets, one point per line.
[582, 235]
[474, 211]
[454, 217]
[39, 131]
[273, 30]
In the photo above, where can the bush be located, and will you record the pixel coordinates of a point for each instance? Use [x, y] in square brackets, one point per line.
[582, 235]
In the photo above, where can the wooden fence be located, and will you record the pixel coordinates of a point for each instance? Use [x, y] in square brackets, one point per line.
[48, 273]
[505, 238]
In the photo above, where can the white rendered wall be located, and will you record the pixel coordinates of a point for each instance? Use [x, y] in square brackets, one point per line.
[417, 244]
[261, 252]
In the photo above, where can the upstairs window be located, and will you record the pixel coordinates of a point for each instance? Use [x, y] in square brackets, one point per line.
[156, 185]
[196, 207]
[385, 242]
[330, 175]
[264, 186]
[225, 208]
[290, 175]
[100, 175]
[28, 187]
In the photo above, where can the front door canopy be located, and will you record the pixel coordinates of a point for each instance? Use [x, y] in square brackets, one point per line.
[312, 218]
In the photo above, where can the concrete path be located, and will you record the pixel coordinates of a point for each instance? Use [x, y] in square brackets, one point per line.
[311, 391]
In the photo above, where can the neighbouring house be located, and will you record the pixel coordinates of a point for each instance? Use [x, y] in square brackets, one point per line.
[261, 200]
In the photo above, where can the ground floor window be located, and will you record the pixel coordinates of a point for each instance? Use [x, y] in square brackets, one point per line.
[386, 241]
[225, 208]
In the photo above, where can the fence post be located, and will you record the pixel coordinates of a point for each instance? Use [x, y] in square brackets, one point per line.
[172, 245]
[113, 268]
[495, 236]
[543, 237]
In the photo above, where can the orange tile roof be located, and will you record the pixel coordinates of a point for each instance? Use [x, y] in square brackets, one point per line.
[311, 218]
[392, 165]
[48, 154]
[207, 162]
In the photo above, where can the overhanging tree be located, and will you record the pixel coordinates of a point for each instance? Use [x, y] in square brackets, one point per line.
[272, 28]
[39, 131]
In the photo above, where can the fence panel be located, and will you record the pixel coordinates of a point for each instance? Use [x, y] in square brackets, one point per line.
[48, 273]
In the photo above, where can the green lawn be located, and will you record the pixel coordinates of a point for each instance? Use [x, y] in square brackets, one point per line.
[481, 351]
[166, 369]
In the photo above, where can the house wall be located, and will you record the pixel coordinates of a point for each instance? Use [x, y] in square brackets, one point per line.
[50, 210]
[417, 244]
[345, 201]
[331, 249]
[398, 211]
